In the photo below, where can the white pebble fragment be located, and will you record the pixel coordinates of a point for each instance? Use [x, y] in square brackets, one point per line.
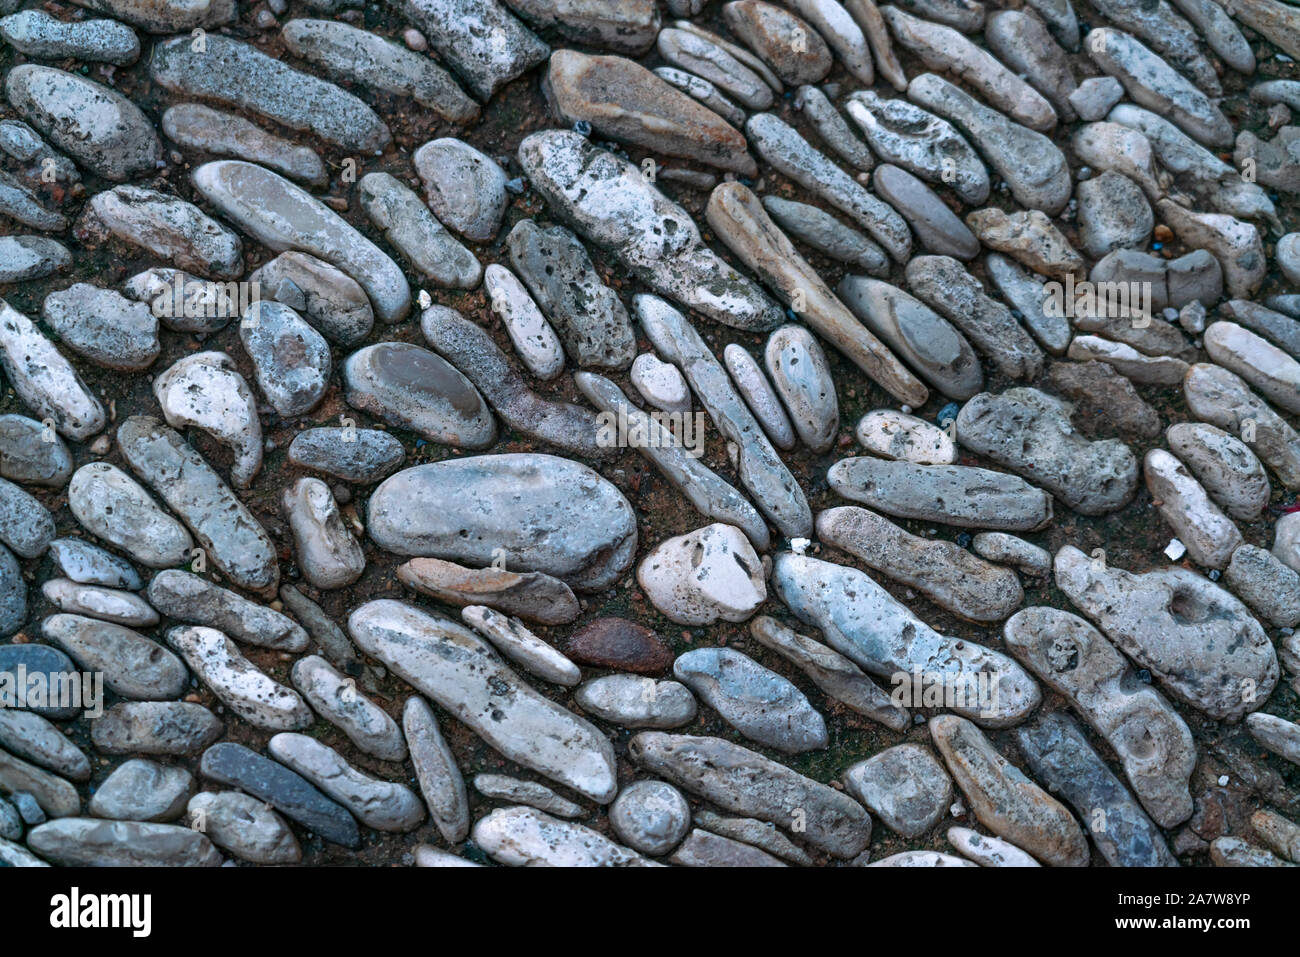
[903, 437]
[709, 574]
[511, 637]
[533, 337]
[661, 384]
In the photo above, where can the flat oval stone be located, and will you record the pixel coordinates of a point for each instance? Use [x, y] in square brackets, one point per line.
[518, 644]
[803, 380]
[650, 816]
[331, 300]
[532, 336]
[244, 827]
[938, 227]
[904, 786]
[204, 390]
[224, 134]
[789, 45]
[1210, 536]
[155, 727]
[32, 454]
[542, 512]
[416, 389]
[525, 836]
[422, 240]
[167, 16]
[354, 455]
[192, 599]
[31, 257]
[1271, 371]
[336, 699]
[988, 851]
[103, 326]
[633, 701]
[500, 787]
[466, 189]
[533, 596]
[13, 594]
[1221, 398]
[26, 525]
[709, 574]
[756, 389]
[292, 360]
[99, 127]
[106, 604]
[1265, 583]
[620, 644]
[33, 659]
[823, 232]
[435, 766]
[382, 805]
[44, 380]
[37, 793]
[328, 554]
[240, 685]
[35, 739]
[41, 36]
[902, 437]
[141, 790]
[87, 842]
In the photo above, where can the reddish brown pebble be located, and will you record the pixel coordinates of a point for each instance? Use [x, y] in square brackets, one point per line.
[620, 644]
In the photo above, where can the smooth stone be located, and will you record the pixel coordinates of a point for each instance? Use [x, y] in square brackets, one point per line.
[1200, 642]
[328, 554]
[1152, 741]
[194, 600]
[288, 792]
[756, 834]
[1287, 257]
[920, 336]
[103, 326]
[610, 202]
[237, 74]
[534, 339]
[97, 126]
[426, 856]
[335, 698]
[538, 512]
[1236, 244]
[759, 468]
[378, 804]
[946, 573]
[1030, 433]
[1276, 831]
[1004, 800]
[413, 388]
[11, 823]
[141, 790]
[690, 51]
[1270, 370]
[167, 16]
[533, 596]
[13, 594]
[43, 379]
[351, 55]
[706, 849]
[1104, 401]
[588, 316]
[291, 360]
[1279, 328]
[794, 157]
[842, 34]
[1286, 540]
[244, 827]
[922, 859]
[628, 103]
[1058, 753]
[225, 134]
[51, 663]
[866, 624]
[87, 842]
[331, 300]
[1094, 97]
[832, 128]
[463, 674]
[827, 235]
[937, 227]
[21, 205]
[988, 851]
[619, 644]
[1209, 535]
[607, 24]
[1154, 84]
[925, 145]
[409, 227]
[1006, 549]
[26, 525]
[904, 786]
[660, 384]
[1221, 398]
[1034, 168]
[106, 604]
[802, 379]
[364, 456]
[35, 739]
[31, 257]
[479, 40]
[165, 225]
[789, 45]
[706, 95]
[1234, 852]
[945, 285]
[758, 703]
[527, 837]
[1024, 45]
[283, 217]
[1266, 584]
[25, 145]
[440, 780]
[204, 390]
[959, 495]
[1128, 362]
[709, 574]
[52, 795]
[744, 782]
[756, 389]
[472, 351]
[240, 684]
[329, 637]
[1275, 734]
[1112, 214]
[499, 787]
[466, 190]
[1029, 237]
[632, 701]
[185, 303]
[37, 34]
[833, 673]
[650, 816]
[155, 727]
[867, 16]
[517, 644]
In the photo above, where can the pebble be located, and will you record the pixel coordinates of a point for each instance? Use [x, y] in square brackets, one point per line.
[325, 296]
[1234, 243]
[240, 685]
[194, 600]
[1094, 97]
[363, 456]
[690, 51]
[238, 75]
[1153, 743]
[619, 644]
[32, 454]
[35, 793]
[826, 234]
[11, 824]
[923, 144]
[1271, 371]
[660, 384]
[756, 389]
[611, 202]
[87, 842]
[499, 787]
[155, 727]
[413, 388]
[26, 525]
[169, 17]
[632, 701]
[1057, 752]
[904, 786]
[466, 190]
[667, 111]
[141, 790]
[1266, 584]
[13, 594]
[291, 360]
[516, 643]
[244, 826]
[1033, 167]
[709, 574]
[1112, 214]
[1006, 549]
[1004, 800]
[463, 674]
[1170, 35]
[106, 604]
[335, 697]
[1219, 397]
[284, 790]
[533, 596]
[204, 390]
[834, 674]
[589, 317]
[706, 849]
[842, 34]
[378, 804]
[225, 134]
[832, 128]
[43, 379]
[865, 623]
[1025, 46]
[628, 26]
[988, 851]
[935, 225]
[527, 837]
[1286, 540]
[98, 127]
[1133, 365]
[650, 816]
[1234, 852]
[19, 204]
[922, 859]
[802, 379]
[30, 257]
[533, 337]
[410, 228]
[742, 781]
[25, 145]
[1287, 257]
[789, 45]
[1280, 834]
[103, 326]
[959, 495]
[1203, 645]
[35, 739]
[328, 555]
[327, 635]
[1224, 466]
[435, 767]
